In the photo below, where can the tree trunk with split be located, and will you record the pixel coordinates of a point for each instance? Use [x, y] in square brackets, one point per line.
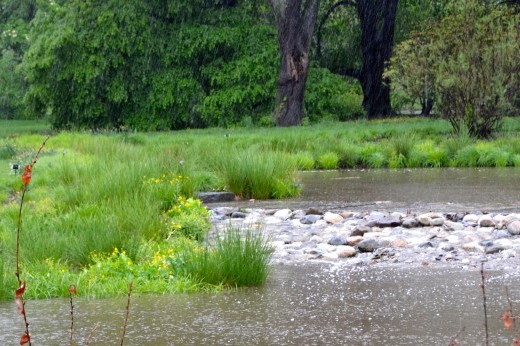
[295, 21]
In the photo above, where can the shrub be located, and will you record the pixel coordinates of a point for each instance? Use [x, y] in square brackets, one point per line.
[304, 160]
[329, 160]
[188, 218]
[238, 258]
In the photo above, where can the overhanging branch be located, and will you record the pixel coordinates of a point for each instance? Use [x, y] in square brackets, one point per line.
[325, 18]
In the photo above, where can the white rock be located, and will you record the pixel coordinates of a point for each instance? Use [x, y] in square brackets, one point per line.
[486, 221]
[332, 217]
[283, 214]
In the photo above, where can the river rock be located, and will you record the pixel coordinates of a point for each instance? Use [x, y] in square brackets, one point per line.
[215, 197]
[224, 210]
[310, 219]
[314, 211]
[354, 240]
[424, 220]
[346, 251]
[238, 215]
[498, 245]
[338, 240]
[347, 214]
[387, 222]
[368, 245]
[410, 222]
[470, 219]
[486, 221]
[332, 217]
[361, 230]
[514, 228]
[453, 226]
[283, 214]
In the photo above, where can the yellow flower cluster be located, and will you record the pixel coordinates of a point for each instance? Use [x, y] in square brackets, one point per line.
[168, 179]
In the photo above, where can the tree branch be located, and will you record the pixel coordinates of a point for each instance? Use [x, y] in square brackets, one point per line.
[325, 18]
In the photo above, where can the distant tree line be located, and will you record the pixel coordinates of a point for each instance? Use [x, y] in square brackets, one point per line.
[174, 64]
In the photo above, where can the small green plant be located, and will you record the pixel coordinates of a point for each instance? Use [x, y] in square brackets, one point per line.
[187, 217]
[304, 161]
[238, 258]
[329, 160]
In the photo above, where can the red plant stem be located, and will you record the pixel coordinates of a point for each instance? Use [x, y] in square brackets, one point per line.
[127, 312]
[484, 298]
[18, 231]
[71, 340]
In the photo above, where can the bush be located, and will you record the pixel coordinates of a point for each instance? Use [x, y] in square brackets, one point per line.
[329, 160]
[467, 61]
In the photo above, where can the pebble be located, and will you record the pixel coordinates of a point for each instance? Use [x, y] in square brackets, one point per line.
[380, 237]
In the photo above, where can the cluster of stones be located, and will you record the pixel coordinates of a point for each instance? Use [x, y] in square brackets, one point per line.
[368, 237]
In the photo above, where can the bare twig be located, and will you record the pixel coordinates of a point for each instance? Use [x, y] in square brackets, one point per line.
[72, 291]
[455, 340]
[91, 333]
[484, 299]
[127, 313]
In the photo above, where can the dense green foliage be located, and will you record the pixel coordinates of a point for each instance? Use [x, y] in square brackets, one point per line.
[468, 62]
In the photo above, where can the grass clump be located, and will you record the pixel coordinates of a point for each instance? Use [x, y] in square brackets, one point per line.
[329, 160]
[239, 258]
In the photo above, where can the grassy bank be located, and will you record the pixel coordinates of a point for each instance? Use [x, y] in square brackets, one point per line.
[106, 208]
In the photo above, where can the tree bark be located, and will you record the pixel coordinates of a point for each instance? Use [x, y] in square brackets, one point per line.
[295, 22]
[377, 18]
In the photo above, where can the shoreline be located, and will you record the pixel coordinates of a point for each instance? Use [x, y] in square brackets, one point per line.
[372, 238]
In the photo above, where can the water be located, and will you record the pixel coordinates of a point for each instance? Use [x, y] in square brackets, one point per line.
[318, 304]
[311, 304]
[449, 189]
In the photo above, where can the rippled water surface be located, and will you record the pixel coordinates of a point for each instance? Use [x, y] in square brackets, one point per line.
[316, 304]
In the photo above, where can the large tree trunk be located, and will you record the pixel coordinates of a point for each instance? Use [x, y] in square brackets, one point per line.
[295, 22]
[377, 18]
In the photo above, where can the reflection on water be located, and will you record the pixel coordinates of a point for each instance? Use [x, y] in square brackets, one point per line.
[318, 304]
[447, 189]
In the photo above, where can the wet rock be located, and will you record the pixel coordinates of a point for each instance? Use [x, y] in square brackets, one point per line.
[438, 221]
[347, 214]
[215, 197]
[314, 211]
[387, 222]
[354, 240]
[361, 230]
[486, 221]
[470, 219]
[424, 220]
[453, 226]
[310, 219]
[410, 222]
[425, 245]
[332, 217]
[498, 246]
[238, 215]
[346, 251]
[224, 210]
[502, 233]
[338, 240]
[283, 214]
[514, 228]
[368, 245]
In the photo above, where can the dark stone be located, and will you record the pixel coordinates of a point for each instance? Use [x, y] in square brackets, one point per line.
[338, 240]
[310, 219]
[361, 230]
[216, 197]
[426, 245]
[388, 222]
[368, 245]
[494, 248]
[238, 215]
[410, 222]
[314, 211]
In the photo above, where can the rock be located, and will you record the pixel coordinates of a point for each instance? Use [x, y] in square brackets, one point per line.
[238, 215]
[338, 240]
[410, 222]
[283, 214]
[470, 219]
[387, 222]
[298, 214]
[310, 219]
[347, 214]
[361, 230]
[224, 210]
[453, 226]
[354, 240]
[314, 211]
[215, 197]
[438, 221]
[316, 239]
[332, 217]
[486, 221]
[424, 220]
[514, 228]
[399, 243]
[502, 233]
[376, 215]
[368, 245]
[346, 251]
[498, 246]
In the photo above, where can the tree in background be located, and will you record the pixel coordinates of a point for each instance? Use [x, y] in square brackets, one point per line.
[15, 16]
[471, 59]
[376, 22]
[295, 20]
